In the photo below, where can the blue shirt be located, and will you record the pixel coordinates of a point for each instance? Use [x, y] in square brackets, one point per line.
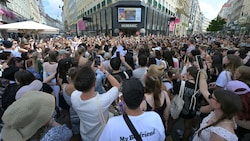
[100, 76]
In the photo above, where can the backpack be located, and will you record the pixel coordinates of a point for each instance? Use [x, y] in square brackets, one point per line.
[118, 77]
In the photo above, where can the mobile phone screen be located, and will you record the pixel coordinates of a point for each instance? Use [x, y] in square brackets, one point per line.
[117, 54]
[94, 54]
[97, 61]
[199, 61]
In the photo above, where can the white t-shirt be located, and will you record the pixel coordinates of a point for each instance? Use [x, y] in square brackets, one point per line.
[223, 78]
[148, 125]
[168, 85]
[87, 110]
[176, 63]
[139, 74]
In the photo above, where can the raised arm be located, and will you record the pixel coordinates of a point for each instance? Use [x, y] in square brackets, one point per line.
[110, 78]
[203, 85]
[128, 67]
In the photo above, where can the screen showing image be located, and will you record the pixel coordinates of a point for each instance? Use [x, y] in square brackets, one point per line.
[126, 14]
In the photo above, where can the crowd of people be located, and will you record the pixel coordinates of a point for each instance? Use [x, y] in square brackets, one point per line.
[121, 88]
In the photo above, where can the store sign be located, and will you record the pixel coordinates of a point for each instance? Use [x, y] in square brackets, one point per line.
[129, 25]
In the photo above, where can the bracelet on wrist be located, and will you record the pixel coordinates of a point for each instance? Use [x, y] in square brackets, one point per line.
[106, 73]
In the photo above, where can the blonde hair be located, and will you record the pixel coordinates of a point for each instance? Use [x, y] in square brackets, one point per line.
[156, 70]
[244, 74]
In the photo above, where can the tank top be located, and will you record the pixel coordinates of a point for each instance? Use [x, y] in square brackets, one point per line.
[159, 110]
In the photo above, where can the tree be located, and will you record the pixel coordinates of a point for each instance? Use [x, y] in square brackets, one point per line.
[216, 24]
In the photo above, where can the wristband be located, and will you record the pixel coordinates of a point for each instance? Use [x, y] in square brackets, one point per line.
[106, 73]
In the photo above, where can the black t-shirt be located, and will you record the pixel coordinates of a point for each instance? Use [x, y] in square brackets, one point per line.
[120, 76]
[189, 90]
[123, 75]
[248, 63]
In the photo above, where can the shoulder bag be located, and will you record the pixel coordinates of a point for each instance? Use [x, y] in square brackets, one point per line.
[132, 128]
[177, 102]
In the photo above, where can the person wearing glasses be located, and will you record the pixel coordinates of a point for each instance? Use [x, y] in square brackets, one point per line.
[219, 124]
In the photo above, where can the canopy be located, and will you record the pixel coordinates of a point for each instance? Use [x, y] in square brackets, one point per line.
[29, 27]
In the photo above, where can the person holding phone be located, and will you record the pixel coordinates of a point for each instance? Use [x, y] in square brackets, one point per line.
[100, 76]
[199, 61]
[97, 61]
[87, 102]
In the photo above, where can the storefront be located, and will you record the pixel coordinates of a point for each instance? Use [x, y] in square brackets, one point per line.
[128, 17]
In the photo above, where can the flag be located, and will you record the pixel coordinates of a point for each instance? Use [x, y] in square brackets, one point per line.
[81, 25]
[171, 26]
[177, 20]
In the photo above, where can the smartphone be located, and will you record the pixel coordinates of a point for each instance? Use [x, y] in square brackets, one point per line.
[97, 61]
[199, 60]
[118, 54]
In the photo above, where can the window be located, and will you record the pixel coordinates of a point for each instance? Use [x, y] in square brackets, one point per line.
[155, 3]
[103, 3]
[109, 1]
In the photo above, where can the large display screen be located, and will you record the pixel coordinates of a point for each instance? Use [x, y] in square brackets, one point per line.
[129, 14]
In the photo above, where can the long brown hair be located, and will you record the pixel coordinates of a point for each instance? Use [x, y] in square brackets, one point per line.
[234, 63]
[245, 113]
[230, 105]
[153, 85]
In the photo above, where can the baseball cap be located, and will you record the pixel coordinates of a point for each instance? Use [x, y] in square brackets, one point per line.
[7, 44]
[238, 87]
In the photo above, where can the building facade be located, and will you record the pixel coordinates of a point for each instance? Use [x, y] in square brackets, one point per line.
[69, 15]
[195, 18]
[34, 10]
[125, 16]
[237, 15]
[5, 16]
[25, 10]
[204, 23]
[183, 13]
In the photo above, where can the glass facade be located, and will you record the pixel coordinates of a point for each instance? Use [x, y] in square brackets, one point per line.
[105, 20]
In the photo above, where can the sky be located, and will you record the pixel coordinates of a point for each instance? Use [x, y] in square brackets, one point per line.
[211, 8]
[51, 7]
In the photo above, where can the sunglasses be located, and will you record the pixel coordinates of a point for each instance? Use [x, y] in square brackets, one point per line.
[211, 97]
